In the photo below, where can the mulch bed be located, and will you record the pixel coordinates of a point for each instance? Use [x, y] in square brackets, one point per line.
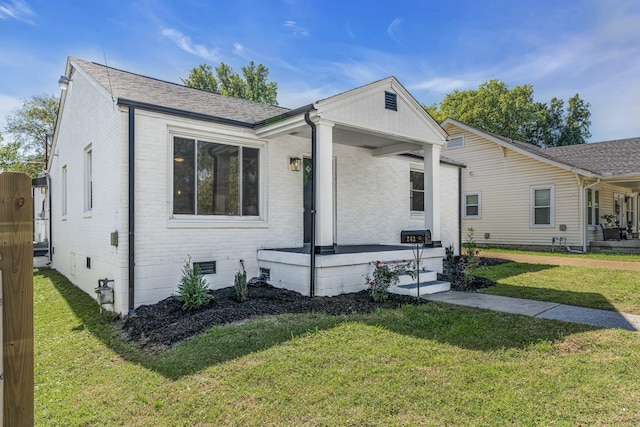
[165, 323]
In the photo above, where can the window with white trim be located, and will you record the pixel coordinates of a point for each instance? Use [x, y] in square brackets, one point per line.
[542, 206]
[416, 196]
[88, 179]
[455, 141]
[630, 211]
[593, 207]
[211, 178]
[472, 204]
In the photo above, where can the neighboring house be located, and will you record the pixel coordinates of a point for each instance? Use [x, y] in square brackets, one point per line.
[516, 194]
[147, 174]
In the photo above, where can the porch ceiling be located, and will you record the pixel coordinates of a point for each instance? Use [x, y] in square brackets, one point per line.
[631, 183]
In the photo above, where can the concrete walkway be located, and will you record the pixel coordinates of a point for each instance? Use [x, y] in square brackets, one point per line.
[540, 309]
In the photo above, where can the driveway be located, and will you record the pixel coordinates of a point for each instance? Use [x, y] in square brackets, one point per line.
[556, 260]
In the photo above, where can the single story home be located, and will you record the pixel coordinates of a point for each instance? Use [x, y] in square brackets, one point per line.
[516, 194]
[146, 175]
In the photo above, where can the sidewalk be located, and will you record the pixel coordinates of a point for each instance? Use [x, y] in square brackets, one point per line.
[540, 309]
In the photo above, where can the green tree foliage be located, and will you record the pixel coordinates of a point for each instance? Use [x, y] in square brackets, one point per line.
[513, 113]
[253, 86]
[29, 128]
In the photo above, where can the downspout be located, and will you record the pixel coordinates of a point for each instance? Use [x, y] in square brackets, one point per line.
[312, 249]
[459, 211]
[584, 214]
[132, 188]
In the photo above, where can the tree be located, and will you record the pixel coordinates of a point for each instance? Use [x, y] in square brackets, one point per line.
[512, 113]
[30, 128]
[253, 86]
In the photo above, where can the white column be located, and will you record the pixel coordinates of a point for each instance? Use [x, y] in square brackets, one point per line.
[432, 190]
[324, 187]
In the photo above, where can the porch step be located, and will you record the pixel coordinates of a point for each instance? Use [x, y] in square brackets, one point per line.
[425, 276]
[430, 287]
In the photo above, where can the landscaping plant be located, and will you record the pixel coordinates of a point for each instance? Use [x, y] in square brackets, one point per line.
[193, 291]
[240, 283]
[386, 274]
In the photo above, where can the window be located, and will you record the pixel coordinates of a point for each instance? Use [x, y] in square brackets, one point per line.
[542, 206]
[472, 205]
[64, 190]
[456, 141]
[417, 191]
[593, 207]
[215, 179]
[88, 179]
[629, 202]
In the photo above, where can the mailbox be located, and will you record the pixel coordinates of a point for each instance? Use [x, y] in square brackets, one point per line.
[416, 236]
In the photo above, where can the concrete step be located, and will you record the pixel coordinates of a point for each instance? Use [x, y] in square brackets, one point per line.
[430, 287]
[425, 276]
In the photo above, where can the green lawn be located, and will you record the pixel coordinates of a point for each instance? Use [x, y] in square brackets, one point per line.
[560, 253]
[605, 289]
[435, 364]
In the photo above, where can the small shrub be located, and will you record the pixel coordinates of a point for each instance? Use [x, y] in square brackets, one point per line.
[193, 291]
[240, 283]
[386, 274]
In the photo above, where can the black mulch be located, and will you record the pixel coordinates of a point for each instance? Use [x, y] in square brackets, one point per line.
[165, 323]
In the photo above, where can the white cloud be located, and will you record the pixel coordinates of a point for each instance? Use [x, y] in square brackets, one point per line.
[440, 84]
[184, 42]
[295, 29]
[18, 10]
[392, 29]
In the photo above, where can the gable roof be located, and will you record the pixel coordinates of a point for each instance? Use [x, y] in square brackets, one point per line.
[607, 158]
[150, 92]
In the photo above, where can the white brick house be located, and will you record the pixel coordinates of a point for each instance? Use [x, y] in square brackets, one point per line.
[146, 174]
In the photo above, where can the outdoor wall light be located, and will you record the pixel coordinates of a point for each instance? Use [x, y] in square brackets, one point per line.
[295, 164]
[63, 82]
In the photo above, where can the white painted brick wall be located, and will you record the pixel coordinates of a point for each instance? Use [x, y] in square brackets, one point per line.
[90, 118]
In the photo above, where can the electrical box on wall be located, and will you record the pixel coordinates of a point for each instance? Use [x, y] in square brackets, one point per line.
[114, 238]
[563, 227]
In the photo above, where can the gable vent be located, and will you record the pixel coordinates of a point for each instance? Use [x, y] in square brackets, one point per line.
[391, 101]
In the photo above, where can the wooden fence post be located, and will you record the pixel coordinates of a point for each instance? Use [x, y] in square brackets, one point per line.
[16, 269]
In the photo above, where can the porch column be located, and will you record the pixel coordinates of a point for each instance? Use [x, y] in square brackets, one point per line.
[324, 187]
[432, 191]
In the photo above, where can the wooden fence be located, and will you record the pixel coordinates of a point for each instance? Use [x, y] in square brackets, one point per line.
[16, 305]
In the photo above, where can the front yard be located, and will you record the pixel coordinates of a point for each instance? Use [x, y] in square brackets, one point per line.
[433, 364]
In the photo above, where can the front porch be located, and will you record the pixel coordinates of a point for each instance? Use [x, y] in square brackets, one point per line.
[615, 246]
[345, 270]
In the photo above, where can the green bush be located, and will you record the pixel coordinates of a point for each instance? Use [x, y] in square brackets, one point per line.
[193, 291]
[240, 283]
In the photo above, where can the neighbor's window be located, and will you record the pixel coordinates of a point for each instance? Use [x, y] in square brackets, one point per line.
[215, 179]
[472, 205]
[542, 206]
[417, 191]
[88, 179]
[64, 190]
[593, 207]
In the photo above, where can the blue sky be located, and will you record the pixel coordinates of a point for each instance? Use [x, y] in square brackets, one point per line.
[316, 49]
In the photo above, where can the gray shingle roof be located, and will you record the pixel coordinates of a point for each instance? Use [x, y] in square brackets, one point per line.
[147, 90]
[617, 157]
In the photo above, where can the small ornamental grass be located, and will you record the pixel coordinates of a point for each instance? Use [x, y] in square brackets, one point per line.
[386, 274]
[240, 283]
[193, 291]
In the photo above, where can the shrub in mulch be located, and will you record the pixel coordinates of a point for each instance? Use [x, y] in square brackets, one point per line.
[458, 271]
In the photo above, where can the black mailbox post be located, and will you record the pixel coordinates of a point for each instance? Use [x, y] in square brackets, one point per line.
[416, 237]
